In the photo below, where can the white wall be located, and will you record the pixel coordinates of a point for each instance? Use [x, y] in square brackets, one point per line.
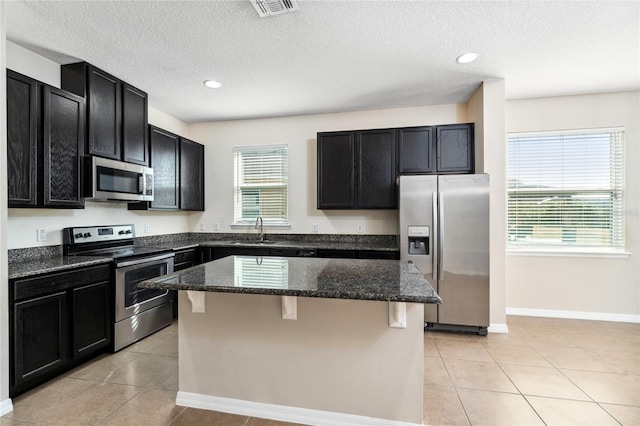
[486, 109]
[23, 223]
[5, 402]
[299, 133]
[597, 287]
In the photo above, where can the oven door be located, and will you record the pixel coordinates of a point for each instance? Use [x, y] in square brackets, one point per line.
[131, 300]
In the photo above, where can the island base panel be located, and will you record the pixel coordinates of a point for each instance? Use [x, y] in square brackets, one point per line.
[339, 356]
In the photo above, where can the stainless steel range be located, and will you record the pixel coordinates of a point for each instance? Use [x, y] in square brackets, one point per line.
[138, 312]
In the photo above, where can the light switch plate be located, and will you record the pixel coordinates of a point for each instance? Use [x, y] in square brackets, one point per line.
[314, 227]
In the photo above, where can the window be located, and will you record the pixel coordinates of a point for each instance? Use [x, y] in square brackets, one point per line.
[565, 190]
[261, 179]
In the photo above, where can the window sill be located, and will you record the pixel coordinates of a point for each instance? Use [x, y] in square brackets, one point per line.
[253, 225]
[621, 254]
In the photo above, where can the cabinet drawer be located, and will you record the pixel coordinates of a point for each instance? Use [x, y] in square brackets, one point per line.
[185, 256]
[49, 283]
[374, 254]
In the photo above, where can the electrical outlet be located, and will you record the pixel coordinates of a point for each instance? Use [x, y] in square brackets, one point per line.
[41, 234]
[360, 228]
[202, 227]
[216, 226]
[146, 228]
[314, 227]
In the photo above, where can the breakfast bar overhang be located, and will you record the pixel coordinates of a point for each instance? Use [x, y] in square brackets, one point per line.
[306, 340]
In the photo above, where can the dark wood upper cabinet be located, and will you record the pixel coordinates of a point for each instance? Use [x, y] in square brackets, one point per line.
[191, 175]
[22, 139]
[436, 149]
[455, 148]
[63, 139]
[415, 150]
[116, 113]
[45, 132]
[376, 169]
[357, 170]
[178, 168]
[165, 151]
[336, 170]
[135, 141]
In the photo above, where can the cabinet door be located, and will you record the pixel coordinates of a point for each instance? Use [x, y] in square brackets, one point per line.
[135, 141]
[454, 149]
[415, 150]
[376, 168]
[40, 337]
[191, 175]
[91, 309]
[104, 114]
[164, 160]
[336, 177]
[63, 138]
[22, 101]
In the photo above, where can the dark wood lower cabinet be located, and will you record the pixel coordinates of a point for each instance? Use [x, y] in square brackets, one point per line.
[40, 343]
[56, 322]
[91, 305]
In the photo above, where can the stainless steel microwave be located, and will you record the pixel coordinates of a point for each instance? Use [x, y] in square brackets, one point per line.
[110, 180]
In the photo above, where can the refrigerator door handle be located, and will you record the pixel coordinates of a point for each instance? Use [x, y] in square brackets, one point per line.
[434, 240]
[442, 237]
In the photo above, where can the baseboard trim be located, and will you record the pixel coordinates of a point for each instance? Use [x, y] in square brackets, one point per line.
[6, 407]
[279, 412]
[592, 316]
[498, 328]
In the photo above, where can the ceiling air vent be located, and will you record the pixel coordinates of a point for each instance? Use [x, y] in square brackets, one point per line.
[274, 7]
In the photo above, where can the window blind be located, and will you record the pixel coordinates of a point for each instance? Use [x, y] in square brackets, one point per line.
[261, 182]
[566, 189]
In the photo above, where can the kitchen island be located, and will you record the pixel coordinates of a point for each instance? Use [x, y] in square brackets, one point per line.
[308, 340]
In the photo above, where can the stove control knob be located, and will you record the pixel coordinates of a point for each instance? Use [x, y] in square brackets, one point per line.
[128, 231]
[121, 233]
[87, 234]
[78, 235]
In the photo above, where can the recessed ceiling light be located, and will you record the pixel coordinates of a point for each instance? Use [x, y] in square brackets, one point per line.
[212, 84]
[466, 58]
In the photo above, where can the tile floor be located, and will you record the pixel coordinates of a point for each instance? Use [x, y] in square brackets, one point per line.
[545, 371]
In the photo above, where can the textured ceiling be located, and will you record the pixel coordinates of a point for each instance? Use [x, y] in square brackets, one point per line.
[337, 55]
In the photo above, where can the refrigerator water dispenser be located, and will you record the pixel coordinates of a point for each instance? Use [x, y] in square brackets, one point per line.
[418, 239]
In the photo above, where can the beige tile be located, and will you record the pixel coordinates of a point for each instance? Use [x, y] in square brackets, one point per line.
[515, 354]
[31, 404]
[534, 336]
[625, 414]
[435, 372]
[621, 361]
[478, 375]
[554, 411]
[149, 407]
[194, 416]
[168, 347]
[496, 408]
[572, 358]
[467, 349]
[430, 347]
[543, 381]
[101, 368]
[442, 407]
[148, 343]
[254, 421]
[90, 406]
[146, 370]
[610, 388]
[5, 421]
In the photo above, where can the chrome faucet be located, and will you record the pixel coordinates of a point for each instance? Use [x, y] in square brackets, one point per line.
[259, 219]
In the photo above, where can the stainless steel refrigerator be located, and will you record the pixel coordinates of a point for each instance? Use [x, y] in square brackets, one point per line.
[444, 231]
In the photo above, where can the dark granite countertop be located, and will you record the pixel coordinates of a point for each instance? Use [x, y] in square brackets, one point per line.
[359, 279]
[304, 245]
[41, 260]
[23, 269]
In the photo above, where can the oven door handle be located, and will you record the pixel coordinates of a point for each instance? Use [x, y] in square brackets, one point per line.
[144, 260]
